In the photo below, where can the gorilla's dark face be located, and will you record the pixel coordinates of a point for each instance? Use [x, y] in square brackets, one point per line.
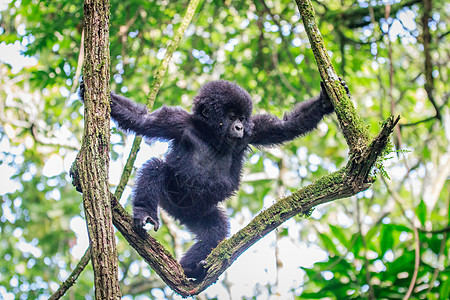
[236, 127]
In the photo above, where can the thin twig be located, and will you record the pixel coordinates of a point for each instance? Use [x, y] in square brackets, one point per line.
[73, 276]
[435, 231]
[173, 45]
[366, 261]
[416, 264]
[303, 83]
[441, 258]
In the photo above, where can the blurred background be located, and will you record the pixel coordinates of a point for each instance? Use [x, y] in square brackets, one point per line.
[395, 58]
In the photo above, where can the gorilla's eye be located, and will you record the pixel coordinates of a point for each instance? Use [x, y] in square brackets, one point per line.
[232, 116]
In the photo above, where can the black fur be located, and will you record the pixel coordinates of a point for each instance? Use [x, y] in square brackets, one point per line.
[204, 165]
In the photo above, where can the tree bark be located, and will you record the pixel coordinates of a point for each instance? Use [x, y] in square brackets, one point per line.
[93, 159]
[348, 181]
[122, 220]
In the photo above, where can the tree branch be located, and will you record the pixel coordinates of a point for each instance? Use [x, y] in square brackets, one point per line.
[357, 16]
[354, 130]
[427, 40]
[93, 159]
[416, 264]
[159, 259]
[446, 229]
[304, 84]
[173, 45]
[371, 294]
[73, 276]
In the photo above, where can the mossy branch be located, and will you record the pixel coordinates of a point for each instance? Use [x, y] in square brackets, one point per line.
[348, 181]
[353, 128]
[173, 45]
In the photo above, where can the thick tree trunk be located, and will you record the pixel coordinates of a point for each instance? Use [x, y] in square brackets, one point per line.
[93, 159]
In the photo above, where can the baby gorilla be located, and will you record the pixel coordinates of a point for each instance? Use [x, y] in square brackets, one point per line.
[204, 164]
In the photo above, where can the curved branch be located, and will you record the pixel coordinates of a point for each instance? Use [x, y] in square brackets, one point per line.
[357, 17]
[435, 231]
[427, 40]
[159, 259]
[304, 84]
[416, 264]
[348, 181]
[173, 45]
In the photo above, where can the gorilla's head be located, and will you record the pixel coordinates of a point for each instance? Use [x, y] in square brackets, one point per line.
[225, 108]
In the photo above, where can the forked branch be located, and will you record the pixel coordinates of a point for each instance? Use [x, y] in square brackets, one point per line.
[348, 181]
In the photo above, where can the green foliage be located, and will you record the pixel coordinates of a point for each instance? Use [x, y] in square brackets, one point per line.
[265, 50]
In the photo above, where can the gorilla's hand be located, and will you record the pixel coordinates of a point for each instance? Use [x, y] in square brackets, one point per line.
[196, 271]
[81, 92]
[326, 99]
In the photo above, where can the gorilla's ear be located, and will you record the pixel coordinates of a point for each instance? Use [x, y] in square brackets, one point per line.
[202, 110]
[205, 111]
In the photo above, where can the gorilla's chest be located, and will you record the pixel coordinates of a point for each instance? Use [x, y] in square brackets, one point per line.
[205, 170]
[209, 162]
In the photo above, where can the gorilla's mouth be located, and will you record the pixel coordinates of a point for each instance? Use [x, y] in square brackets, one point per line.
[234, 138]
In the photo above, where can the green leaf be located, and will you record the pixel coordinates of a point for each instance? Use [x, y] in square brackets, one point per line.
[387, 240]
[421, 212]
[328, 243]
[371, 233]
[445, 290]
[339, 234]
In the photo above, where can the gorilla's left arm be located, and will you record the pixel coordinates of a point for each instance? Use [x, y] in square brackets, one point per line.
[269, 130]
